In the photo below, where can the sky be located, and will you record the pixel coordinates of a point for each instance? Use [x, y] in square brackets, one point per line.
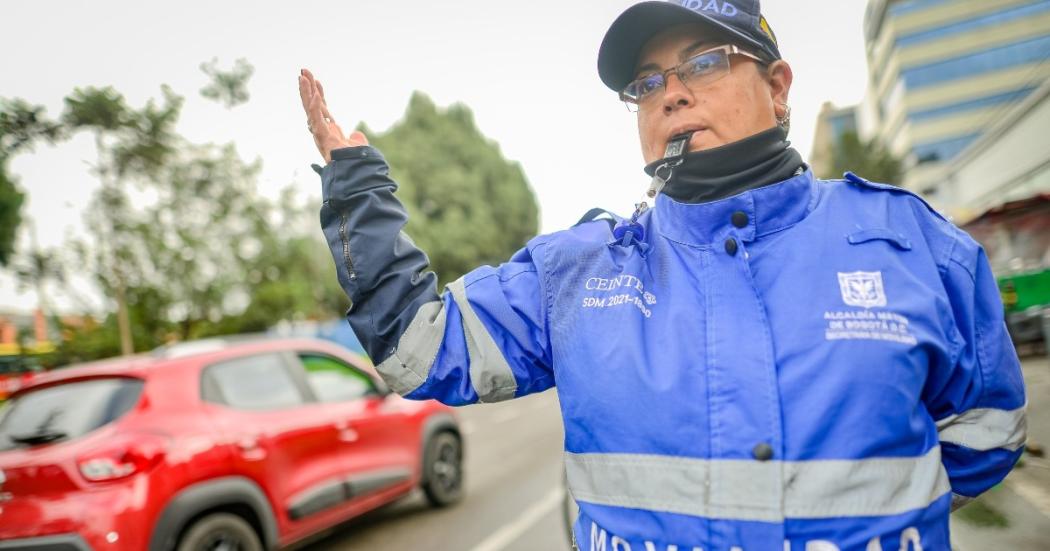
[526, 69]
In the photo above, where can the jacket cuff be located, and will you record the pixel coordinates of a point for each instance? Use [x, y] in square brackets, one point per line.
[343, 153]
[354, 170]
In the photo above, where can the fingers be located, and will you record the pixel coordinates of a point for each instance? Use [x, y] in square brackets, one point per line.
[324, 103]
[314, 89]
[327, 134]
[306, 90]
[315, 116]
[320, 90]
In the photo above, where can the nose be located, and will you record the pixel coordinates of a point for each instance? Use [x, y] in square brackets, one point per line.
[676, 94]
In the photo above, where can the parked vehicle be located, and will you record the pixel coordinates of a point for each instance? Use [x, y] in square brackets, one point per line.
[242, 444]
[16, 372]
[1016, 237]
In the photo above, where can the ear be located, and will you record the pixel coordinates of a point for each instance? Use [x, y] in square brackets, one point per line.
[780, 77]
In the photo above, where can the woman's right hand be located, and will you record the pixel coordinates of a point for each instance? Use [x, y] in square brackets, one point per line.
[327, 134]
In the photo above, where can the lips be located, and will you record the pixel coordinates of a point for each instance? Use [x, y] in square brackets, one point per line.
[677, 131]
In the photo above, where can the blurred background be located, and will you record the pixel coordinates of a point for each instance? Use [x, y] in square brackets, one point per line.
[156, 189]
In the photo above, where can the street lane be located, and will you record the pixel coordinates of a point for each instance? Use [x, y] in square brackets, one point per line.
[513, 467]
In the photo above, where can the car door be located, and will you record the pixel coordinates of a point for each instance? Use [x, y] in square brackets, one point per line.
[281, 436]
[378, 447]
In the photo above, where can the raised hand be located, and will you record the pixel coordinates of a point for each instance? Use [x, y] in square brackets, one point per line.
[326, 132]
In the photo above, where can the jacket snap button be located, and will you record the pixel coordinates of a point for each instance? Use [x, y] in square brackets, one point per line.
[762, 452]
[731, 246]
[740, 219]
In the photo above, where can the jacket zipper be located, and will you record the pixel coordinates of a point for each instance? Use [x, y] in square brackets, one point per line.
[348, 263]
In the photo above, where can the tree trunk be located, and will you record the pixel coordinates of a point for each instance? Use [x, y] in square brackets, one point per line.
[127, 347]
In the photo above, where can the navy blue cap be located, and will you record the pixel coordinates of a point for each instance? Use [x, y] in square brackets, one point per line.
[740, 21]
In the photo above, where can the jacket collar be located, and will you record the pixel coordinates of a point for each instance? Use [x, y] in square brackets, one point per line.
[768, 209]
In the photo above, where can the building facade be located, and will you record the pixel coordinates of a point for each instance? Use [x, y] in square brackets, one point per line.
[832, 123]
[942, 72]
[1010, 161]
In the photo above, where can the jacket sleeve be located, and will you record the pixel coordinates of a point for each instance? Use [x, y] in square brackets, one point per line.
[978, 399]
[484, 339]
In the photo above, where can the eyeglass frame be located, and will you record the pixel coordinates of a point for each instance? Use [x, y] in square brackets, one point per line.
[729, 49]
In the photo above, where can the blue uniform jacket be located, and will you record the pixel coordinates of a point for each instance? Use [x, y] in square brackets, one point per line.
[809, 366]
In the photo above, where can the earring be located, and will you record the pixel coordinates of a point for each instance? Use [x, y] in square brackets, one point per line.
[785, 120]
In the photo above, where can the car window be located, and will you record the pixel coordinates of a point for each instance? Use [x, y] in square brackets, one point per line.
[66, 411]
[261, 382]
[333, 380]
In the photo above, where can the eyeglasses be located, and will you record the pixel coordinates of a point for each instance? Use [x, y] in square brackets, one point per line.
[700, 70]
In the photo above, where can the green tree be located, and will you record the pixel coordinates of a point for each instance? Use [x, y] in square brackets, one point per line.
[130, 145]
[870, 159]
[184, 237]
[227, 87]
[467, 204]
[11, 200]
[21, 126]
[204, 226]
[291, 278]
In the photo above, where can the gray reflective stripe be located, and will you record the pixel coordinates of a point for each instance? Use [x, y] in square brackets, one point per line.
[407, 368]
[985, 429]
[760, 491]
[490, 374]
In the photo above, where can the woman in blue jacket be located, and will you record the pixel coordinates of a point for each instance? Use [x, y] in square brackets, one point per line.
[758, 360]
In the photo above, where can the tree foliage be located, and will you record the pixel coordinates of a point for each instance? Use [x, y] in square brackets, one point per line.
[229, 88]
[467, 204]
[11, 199]
[870, 159]
[180, 232]
[181, 241]
[21, 126]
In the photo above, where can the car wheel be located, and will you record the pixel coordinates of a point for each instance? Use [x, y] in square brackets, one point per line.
[443, 469]
[220, 532]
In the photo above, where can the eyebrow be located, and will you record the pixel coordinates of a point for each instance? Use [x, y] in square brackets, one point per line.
[682, 56]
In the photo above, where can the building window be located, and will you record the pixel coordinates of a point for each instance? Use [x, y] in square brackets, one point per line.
[909, 6]
[942, 150]
[970, 105]
[995, 59]
[1007, 15]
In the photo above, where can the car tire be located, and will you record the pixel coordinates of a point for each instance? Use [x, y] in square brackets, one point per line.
[443, 469]
[220, 531]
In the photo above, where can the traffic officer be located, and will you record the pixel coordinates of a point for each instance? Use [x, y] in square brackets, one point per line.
[754, 360]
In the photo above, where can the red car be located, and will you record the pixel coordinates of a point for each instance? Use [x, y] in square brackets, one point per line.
[242, 444]
[14, 374]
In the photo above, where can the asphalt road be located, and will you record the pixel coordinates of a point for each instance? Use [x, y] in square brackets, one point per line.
[1015, 515]
[513, 502]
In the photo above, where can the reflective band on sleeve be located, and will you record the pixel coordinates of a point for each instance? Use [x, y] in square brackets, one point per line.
[811, 489]
[407, 368]
[984, 429]
[490, 374]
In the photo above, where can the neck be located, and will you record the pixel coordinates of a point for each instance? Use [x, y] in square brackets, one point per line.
[753, 162]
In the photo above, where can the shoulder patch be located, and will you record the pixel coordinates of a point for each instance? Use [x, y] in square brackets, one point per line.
[858, 181]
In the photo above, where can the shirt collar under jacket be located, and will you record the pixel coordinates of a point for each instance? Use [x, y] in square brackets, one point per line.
[769, 209]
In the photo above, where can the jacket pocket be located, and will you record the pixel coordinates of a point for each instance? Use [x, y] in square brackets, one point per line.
[880, 234]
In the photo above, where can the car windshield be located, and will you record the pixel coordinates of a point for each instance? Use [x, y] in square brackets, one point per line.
[65, 411]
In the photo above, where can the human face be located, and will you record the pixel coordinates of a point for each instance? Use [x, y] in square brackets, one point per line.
[743, 103]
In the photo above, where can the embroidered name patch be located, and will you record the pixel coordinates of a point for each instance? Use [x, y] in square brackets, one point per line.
[619, 291]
